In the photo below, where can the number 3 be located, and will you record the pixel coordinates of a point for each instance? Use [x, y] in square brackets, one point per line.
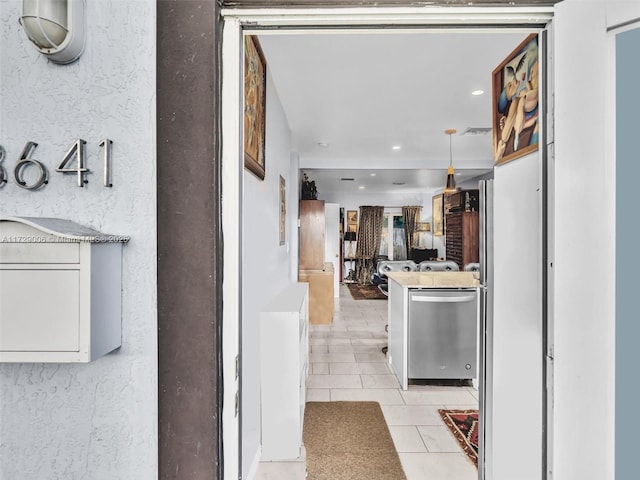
[3, 172]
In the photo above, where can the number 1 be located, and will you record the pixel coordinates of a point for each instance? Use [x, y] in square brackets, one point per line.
[106, 144]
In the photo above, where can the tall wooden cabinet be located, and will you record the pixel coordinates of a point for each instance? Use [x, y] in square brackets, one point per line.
[312, 230]
[463, 237]
[312, 267]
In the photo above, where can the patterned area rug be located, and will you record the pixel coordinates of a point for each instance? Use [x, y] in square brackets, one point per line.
[365, 292]
[463, 424]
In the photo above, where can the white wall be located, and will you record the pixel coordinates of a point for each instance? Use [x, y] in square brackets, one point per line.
[266, 265]
[584, 268]
[96, 420]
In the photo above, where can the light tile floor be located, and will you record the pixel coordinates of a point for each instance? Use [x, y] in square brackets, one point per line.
[347, 364]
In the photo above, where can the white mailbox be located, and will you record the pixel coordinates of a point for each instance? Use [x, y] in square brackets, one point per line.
[60, 291]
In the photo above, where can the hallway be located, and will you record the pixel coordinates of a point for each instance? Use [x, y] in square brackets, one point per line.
[347, 364]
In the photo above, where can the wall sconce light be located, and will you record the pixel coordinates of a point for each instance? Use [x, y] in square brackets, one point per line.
[55, 27]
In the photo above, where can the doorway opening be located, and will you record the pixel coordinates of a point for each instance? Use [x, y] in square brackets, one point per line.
[298, 160]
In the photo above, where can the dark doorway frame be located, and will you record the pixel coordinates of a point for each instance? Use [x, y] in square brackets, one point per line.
[189, 240]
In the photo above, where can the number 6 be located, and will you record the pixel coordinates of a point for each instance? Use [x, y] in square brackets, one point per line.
[24, 162]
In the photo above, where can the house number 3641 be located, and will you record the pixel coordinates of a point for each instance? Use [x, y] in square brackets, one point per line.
[74, 162]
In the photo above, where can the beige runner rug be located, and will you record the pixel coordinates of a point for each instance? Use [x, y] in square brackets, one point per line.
[349, 441]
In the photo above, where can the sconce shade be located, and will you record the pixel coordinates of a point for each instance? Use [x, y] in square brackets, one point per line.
[451, 181]
[55, 27]
[350, 236]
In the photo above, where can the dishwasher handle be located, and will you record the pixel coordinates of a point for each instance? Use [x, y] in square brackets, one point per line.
[451, 299]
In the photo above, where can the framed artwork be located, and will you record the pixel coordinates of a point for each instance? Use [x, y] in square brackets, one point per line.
[283, 211]
[255, 96]
[352, 217]
[437, 206]
[515, 103]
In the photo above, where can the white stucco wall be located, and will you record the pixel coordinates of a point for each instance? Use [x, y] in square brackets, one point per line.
[266, 265]
[97, 420]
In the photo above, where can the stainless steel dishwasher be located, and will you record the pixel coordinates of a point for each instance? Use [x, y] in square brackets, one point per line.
[443, 326]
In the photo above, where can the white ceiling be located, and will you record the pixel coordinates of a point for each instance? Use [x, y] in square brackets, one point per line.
[361, 93]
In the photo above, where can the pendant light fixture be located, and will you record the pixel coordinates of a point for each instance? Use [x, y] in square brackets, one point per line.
[451, 181]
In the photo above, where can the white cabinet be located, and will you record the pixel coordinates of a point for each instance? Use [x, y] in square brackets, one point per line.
[284, 354]
[60, 291]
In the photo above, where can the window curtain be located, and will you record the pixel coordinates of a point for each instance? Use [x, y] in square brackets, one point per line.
[411, 217]
[369, 231]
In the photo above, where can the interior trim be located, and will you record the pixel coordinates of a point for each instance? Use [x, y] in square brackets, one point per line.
[383, 3]
[621, 25]
[391, 18]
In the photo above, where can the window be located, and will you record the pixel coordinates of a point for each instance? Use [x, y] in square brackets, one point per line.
[393, 234]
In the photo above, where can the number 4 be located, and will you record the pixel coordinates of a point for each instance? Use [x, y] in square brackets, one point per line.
[77, 150]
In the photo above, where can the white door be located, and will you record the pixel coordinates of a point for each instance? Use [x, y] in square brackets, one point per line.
[332, 241]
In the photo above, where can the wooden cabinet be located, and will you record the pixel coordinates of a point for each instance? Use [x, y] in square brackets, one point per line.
[312, 231]
[284, 354]
[462, 201]
[321, 300]
[312, 267]
[463, 237]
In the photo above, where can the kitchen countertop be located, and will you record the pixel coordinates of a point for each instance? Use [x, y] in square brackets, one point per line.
[435, 279]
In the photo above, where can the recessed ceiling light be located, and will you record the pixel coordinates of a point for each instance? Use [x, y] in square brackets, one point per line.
[477, 92]
[396, 147]
[323, 144]
[372, 174]
[361, 187]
